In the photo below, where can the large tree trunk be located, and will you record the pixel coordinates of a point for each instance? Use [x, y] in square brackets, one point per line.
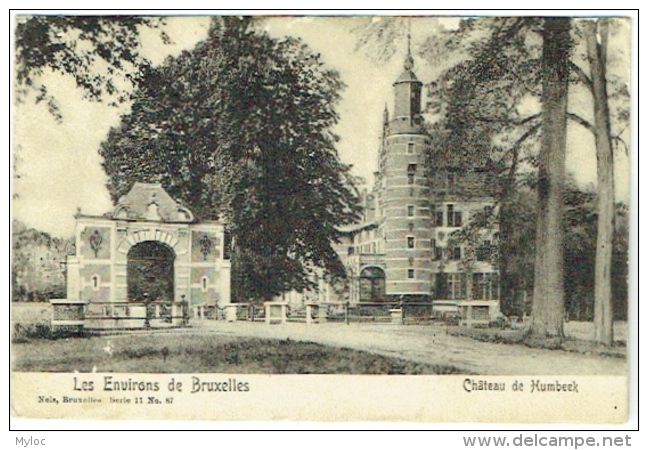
[605, 178]
[548, 293]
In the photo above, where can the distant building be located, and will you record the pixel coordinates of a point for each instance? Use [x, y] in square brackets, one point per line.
[404, 248]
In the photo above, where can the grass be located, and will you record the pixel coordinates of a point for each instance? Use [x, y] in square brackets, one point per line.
[205, 353]
[573, 342]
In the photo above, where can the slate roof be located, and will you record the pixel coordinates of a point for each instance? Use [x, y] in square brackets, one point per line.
[149, 201]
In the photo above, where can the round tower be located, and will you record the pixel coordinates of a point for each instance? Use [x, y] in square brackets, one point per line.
[406, 220]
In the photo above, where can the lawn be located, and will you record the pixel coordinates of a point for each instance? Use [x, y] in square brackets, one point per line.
[578, 338]
[183, 352]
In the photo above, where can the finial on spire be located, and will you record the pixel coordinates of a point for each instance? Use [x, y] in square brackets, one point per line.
[409, 61]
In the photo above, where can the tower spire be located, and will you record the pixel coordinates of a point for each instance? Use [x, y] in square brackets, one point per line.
[409, 61]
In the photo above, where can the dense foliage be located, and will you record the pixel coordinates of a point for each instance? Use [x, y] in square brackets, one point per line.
[102, 53]
[239, 128]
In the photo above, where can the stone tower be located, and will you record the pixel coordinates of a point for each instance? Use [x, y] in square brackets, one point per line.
[405, 219]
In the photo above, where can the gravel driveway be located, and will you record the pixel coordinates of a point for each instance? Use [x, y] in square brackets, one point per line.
[430, 344]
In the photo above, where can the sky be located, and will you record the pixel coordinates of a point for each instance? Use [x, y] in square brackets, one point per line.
[59, 166]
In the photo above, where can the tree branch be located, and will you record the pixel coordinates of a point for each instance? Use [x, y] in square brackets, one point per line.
[507, 120]
[516, 153]
[625, 145]
[581, 75]
[582, 122]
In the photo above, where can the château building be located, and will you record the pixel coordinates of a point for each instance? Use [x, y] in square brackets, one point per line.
[407, 248]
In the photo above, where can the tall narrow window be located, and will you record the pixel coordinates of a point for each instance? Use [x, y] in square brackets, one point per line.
[438, 219]
[451, 181]
[410, 210]
[204, 284]
[410, 242]
[410, 273]
[95, 282]
[463, 288]
[453, 287]
[410, 148]
[455, 218]
[456, 286]
[410, 178]
[436, 251]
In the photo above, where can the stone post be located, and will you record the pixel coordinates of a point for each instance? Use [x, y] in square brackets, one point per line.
[322, 311]
[309, 313]
[275, 312]
[396, 316]
[230, 312]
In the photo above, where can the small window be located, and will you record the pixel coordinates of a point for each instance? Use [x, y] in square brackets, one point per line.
[410, 178]
[351, 250]
[411, 168]
[410, 210]
[436, 251]
[484, 251]
[410, 273]
[410, 242]
[438, 219]
[410, 148]
[204, 284]
[95, 282]
[456, 254]
[451, 181]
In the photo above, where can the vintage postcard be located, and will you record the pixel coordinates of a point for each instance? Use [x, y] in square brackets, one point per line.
[361, 218]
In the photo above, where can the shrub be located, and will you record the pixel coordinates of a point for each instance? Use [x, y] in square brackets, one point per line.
[36, 331]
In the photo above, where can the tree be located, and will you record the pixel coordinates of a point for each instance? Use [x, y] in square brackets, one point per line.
[35, 264]
[239, 129]
[100, 52]
[596, 52]
[548, 288]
